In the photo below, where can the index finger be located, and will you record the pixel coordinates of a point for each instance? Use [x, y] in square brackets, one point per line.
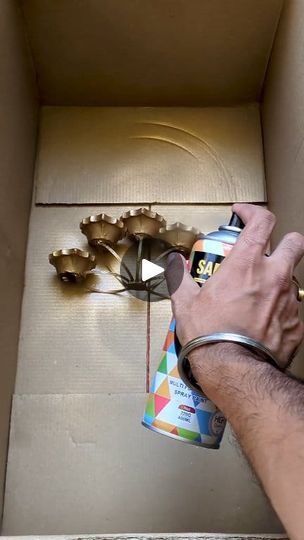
[181, 284]
[259, 224]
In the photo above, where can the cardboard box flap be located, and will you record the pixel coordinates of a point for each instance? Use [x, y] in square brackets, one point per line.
[143, 52]
[73, 341]
[85, 463]
[144, 155]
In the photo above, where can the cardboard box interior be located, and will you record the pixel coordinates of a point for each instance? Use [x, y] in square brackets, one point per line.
[219, 121]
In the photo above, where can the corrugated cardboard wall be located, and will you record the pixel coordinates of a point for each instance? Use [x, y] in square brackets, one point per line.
[18, 110]
[151, 52]
[150, 154]
[283, 127]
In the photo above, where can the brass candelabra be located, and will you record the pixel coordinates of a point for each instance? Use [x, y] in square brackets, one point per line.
[105, 234]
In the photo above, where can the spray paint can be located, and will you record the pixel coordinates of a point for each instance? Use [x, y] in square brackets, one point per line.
[176, 405]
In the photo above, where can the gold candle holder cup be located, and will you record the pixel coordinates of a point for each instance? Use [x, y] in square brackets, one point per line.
[179, 235]
[102, 229]
[142, 222]
[72, 264]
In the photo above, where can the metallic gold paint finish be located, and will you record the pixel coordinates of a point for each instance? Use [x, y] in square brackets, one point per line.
[179, 235]
[102, 229]
[72, 264]
[142, 222]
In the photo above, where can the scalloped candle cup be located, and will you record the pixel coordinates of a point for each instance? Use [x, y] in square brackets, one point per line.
[102, 229]
[142, 222]
[72, 264]
[179, 235]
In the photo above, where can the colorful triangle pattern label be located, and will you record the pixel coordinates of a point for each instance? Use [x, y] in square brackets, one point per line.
[159, 403]
[169, 341]
[174, 372]
[163, 389]
[175, 409]
[163, 364]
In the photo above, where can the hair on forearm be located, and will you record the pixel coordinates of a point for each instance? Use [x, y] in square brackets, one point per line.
[287, 390]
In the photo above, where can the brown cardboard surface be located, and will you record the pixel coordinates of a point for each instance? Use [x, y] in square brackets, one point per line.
[18, 123]
[206, 219]
[72, 341]
[81, 463]
[144, 52]
[79, 460]
[148, 155]
[283, 127]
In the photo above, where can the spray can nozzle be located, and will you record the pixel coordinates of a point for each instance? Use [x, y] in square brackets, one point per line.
[235, 221]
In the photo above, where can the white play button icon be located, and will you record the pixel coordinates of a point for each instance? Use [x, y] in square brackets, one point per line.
[149, 270]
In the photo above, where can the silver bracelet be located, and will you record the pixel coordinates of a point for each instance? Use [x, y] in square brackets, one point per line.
[252, 344]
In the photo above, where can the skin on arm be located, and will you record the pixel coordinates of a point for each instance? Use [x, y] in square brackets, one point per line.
[253, 295]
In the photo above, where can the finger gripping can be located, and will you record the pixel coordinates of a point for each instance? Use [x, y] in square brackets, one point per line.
[176, 405]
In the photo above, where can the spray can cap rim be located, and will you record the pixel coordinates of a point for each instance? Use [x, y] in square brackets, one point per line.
[235, 221]
[235, 224]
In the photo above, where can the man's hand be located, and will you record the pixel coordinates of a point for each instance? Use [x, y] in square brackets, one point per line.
[250, 294]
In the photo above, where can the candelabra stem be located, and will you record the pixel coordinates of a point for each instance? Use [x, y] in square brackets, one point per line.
[138, 259]
[170, 250]
[118, 258]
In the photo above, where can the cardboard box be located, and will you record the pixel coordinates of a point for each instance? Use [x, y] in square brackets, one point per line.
[106, 105]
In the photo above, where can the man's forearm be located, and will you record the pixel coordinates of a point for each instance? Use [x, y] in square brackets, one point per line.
[266, 411]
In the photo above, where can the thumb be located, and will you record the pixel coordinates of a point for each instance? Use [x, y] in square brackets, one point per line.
[181, 285]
